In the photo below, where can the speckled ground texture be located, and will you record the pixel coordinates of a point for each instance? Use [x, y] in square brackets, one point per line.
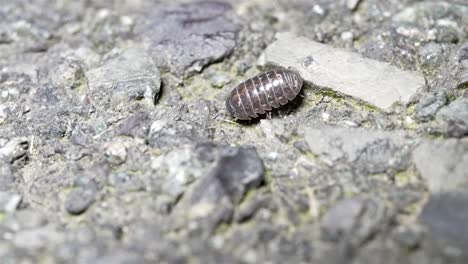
[115, 146]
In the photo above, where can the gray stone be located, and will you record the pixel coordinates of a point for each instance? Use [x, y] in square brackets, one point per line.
[185, 124]
[68, 74]
[342, 218]
[446, 216]
[131, 75]
[187, 37]
[170, 134]
[116, 152]
[247, 210]
[428, 106]
[456, 110]
[177, 169]
[136, 125]
[354, 219]
[455, 117]
[79, 138]
[9, 202]
[370, 151]
[456, 128]
[212, 198]
[408, 237]
[238, 170]
[374, 82]
[443, 164]
[14, 149]
[431, 54]
[462, 71]
[78, 200]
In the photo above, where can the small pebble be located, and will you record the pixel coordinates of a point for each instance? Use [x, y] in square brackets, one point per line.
[9, 202]
[116, 153]
[220, 80]
[79, 200]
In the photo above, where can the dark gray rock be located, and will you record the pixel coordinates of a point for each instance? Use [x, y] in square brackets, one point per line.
[446, 216]
[47, 123]
[238, 171]
[454, 117]
[462, 71]
[78, 200]
[354, 219]
[136, 125]
[431, 55]
[428, 106]
[79, 138]
[187, 37]
[456, 128]
[381, 156]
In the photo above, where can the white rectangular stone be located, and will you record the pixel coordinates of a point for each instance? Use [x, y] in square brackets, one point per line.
[348, 73]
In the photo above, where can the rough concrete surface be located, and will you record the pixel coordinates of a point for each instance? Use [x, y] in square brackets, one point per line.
[116, 147]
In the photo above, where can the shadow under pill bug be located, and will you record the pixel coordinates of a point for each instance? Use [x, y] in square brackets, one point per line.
[263, 92]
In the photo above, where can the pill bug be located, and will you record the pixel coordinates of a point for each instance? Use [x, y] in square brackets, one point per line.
[263, 92]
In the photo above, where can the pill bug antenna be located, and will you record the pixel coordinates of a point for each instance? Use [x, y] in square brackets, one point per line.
[294, 69]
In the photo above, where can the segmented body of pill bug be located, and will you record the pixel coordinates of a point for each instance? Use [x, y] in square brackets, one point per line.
[263, 92]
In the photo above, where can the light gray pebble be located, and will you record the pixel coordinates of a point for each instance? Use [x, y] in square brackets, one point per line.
[9, 202]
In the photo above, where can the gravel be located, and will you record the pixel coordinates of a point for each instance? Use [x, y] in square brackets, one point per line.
[115, 145]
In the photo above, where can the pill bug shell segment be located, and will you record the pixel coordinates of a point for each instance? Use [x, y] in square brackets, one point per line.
[263, 92]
